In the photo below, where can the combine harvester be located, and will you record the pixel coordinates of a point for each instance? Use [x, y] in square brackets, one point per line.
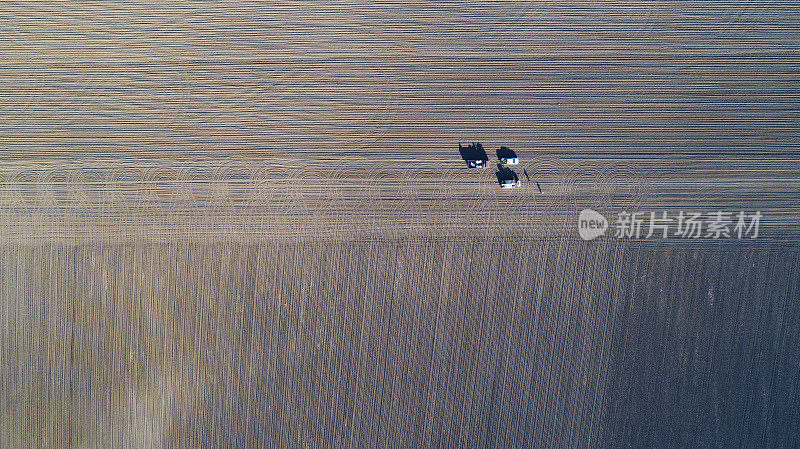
[478, 163]
[509, 183]
[474, 155]
[507, 156]
[507, 178]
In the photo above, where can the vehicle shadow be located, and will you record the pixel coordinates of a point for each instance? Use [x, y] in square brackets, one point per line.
[473, 152]
[505, 153]
[505, 174]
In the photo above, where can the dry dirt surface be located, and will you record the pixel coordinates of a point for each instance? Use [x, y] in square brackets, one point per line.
[342, 119]
[499, 343]
[235, 224]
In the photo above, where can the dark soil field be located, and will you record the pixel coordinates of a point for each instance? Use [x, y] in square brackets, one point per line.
[238, 224]
[501, 342]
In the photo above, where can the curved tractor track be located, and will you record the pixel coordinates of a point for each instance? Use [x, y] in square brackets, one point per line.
[361, 196]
